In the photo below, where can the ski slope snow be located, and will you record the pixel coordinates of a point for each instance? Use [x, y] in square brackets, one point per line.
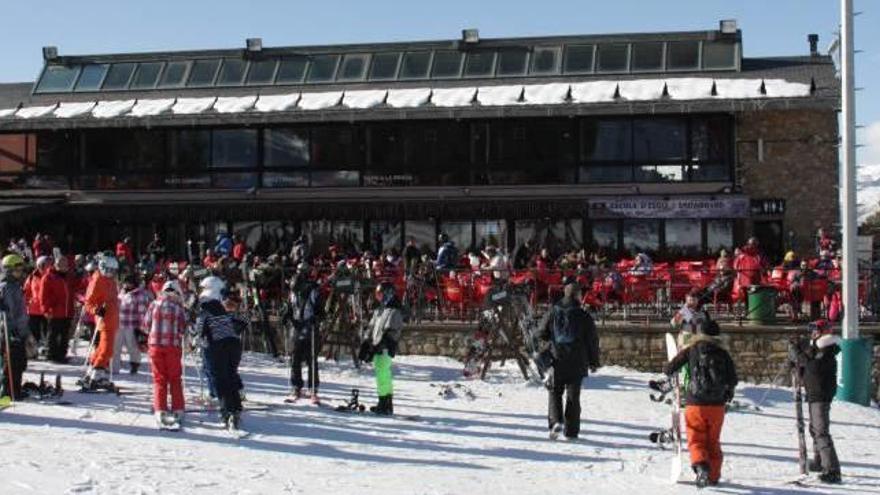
[493, 442]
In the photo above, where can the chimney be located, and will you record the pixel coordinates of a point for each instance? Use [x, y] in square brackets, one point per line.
[814, 44]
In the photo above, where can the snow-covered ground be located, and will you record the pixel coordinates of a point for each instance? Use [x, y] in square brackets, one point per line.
[494, 443]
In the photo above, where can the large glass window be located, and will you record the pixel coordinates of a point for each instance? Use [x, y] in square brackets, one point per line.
[647, 56]
[91, 77]
[438, 152]
[385, 235]
[545, 60]
[354, 67]
[234, 148]
[719, 55]
[607, 145]
[384, 66]
[612, 58]
[118, 76]
[124, 150]
[578, 59]
[291, 70]
[190, 149]
[415, 65]
[684, 237]
[261, 72]
[605, 234]
[460, 233]
[447, 64]
[422, 234]
[683, 55]
[57, 78]
[203, 72]
[387, 154]
[174, 74]
[719, 235]
[710, 148]
[480, 64]
[337, 153]
[524, 152]
[323, 68]
[659, 139]
[232, 72]
[491, 233]
[512, 62]
[641, 236]
[286, 147]
[147, 75]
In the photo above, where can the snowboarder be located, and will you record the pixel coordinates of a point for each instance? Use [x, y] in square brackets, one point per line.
[306, 312]
[380, 345]
[165, 322]
[574, 352]
[16, 332]
[221, 332]
[817, 363]
[712, 383]
[102, 300]
[133, 304]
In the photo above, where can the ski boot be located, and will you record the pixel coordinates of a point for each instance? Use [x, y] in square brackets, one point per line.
[97, 379]
[385, 406]
[133, 368]
[314, 399]
[294, 396]
[831, 477]
[702, 472]
[555, 431]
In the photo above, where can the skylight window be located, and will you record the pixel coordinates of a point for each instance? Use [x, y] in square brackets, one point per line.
[147, 75]
[384, 66]
[354, 67]
[174, 75]
[292, 70]
[232, 72]
[91, 77]
[261, 72]
[203, 73]
[683, 55]
[647, 56]
[119, 76]
[447, 64]
[613, 58]
[545, 60]
[415, 65]
[512, 62]
[57, 78]
[479, 64]
[719, 55]
[578, 59]
[323, 68]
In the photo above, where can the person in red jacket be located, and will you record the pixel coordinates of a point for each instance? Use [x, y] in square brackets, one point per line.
[239, 250]
[124, 252]
[42, 246]
[57, 293]
[749, 265]
[36, 320]
[102, 300]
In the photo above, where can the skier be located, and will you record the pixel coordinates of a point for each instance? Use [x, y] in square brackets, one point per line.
[380, 345]
[221, 331]
[57, 294]
[712, 383]
[306, 312]
[574, 350]
[165, 322]
[102, 300]
[134, 300]
[36, 320]
[447, 254]
[16, 332]
[817, 362]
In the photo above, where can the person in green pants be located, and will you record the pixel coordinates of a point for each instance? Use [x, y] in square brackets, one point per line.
[380, 345]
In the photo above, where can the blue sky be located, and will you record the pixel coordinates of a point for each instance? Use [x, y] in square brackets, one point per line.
[770, 27]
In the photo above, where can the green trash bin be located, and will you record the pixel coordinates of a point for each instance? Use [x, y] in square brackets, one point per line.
[854, 367]
[762, 305]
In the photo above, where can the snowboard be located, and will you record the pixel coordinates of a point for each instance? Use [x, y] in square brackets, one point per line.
[676, 468]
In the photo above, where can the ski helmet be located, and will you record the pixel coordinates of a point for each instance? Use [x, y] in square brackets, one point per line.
[173, 287]
[212, 288]
[43, 262]
[108, 265]
[11, 261]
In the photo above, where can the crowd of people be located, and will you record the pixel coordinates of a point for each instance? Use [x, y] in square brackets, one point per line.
[150, 304]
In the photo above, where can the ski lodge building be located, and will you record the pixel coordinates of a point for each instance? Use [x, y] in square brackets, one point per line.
[672, 143]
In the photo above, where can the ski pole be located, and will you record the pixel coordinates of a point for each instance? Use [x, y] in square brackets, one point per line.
[88, 357]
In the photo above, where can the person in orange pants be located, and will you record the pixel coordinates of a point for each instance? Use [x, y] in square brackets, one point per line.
[712, 383]
[102, 300]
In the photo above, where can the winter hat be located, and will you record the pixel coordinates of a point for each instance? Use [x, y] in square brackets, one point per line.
[710, 328]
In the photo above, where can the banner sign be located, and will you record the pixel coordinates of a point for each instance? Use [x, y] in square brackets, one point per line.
[669, 207]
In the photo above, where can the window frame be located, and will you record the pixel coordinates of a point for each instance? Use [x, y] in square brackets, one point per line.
[137, 72]
[82, 71]
[467, 58]
[366, 57]
[307, 62]
[632, 51]
[737, 57]
[593, 51]
[557, 64]
[428, 67]
[334, 70]
[628, 58]
[247, 78]
[668, 58]
[187, 65]
[433, 68]
[192, 67]
[397, 65]
[127, 81]
[526, 61]
[77, 71]
[240, 82]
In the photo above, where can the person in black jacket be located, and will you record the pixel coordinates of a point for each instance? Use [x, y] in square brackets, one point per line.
[712, 383]
[574, 347]
[816, 360]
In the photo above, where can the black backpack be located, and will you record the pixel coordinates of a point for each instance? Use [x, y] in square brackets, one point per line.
[711, 374]
[566, 331]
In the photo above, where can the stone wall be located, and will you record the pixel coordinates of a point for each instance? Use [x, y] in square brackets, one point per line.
[799, 164]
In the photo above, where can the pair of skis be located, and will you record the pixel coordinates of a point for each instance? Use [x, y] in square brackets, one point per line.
[671, 435]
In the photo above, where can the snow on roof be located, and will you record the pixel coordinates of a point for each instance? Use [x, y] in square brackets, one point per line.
[364, 99]
[110, 109]
[235, 104]
[689, 88]
[641, 89]
[68, 110]
[320, 101]
[34, 112]
[186, 106]
[868, 190]
[491, 96]
[156, 106]
[402, 98]
[593, 92]
[7, 112]
[546, 94]
[453, 97]
[276, 103]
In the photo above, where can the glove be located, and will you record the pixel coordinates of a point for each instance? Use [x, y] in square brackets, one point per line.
[366, 352]
[101, 311]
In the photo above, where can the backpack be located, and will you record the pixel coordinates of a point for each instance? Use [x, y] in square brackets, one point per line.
[565, 327]
[711, 374]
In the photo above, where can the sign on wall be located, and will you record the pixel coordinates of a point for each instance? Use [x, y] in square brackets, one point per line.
[669, 207]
